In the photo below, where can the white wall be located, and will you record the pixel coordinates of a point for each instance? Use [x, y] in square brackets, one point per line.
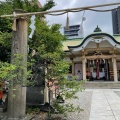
[78, 66]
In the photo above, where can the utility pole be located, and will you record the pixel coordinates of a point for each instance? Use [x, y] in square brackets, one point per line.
[17, 104]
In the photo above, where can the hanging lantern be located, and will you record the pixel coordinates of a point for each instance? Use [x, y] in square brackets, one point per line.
[104, 60]
[97, 60]
[90, 62]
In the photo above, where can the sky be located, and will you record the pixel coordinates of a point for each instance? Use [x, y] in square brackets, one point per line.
[103, 20]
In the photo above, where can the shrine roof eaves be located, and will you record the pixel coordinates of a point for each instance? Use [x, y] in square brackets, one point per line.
[114, 38]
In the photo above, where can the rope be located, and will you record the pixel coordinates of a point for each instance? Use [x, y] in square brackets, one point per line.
[57, 14]
[82, 10]
[102, 10]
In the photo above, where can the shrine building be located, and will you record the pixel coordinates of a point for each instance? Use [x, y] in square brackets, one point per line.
[96, 57]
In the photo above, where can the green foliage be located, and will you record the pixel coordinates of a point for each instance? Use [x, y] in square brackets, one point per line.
[64, 109]
[47, 44]
[50, 4]
[5, 46]
[6, 71]
[5, 25]
[32, 110]
[67, 90]
[14, 72]
[46, 39]
[7, 7]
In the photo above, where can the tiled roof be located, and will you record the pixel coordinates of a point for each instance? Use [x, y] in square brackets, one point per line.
[78, 41]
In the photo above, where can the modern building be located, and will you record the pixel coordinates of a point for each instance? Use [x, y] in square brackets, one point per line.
[95, 57]
[116, 20]
[72, 31]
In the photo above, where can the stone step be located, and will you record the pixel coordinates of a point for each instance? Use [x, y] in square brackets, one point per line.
[103, 84]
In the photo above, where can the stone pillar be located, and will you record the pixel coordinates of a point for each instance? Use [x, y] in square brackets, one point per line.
[84, 68]
[17, 92]
[73, 68]
[46, 90]
[115, 70]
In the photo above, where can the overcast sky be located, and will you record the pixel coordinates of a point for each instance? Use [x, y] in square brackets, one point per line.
[103, 20]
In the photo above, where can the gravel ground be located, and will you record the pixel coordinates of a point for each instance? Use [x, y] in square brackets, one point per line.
[84, 102]
[3, 116]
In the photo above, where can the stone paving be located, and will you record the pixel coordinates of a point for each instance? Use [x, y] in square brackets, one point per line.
[105, 105]
[84, 102]
[98, 104]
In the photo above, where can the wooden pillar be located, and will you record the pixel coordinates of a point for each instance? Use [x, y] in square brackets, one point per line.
[17, 104]
[115, 70]
[84, 68]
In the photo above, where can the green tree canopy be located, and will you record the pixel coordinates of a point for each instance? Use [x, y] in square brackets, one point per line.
[7, 7]
[46, 42]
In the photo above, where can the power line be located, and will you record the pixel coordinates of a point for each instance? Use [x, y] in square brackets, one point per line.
[57, 11]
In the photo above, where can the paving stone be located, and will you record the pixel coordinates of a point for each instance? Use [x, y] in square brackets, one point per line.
[105, 105]
[98, 104]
